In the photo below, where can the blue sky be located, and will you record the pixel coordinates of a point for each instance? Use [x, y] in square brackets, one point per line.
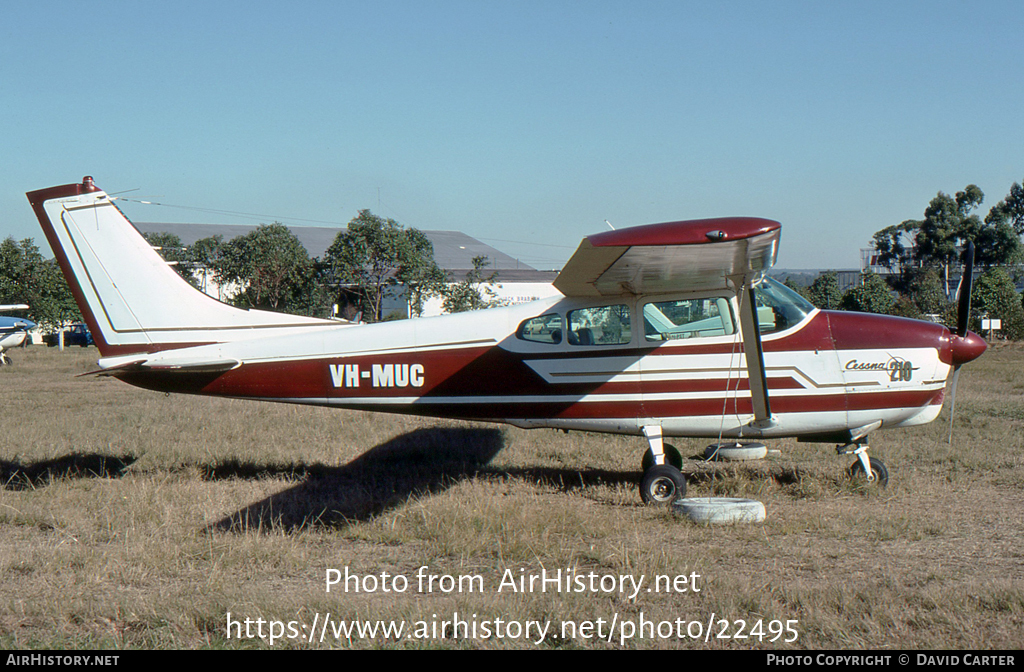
[524, 124]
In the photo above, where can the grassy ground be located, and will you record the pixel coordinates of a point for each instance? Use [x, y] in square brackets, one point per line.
[135, 519]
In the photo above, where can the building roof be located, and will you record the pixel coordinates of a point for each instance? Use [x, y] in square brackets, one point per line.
[453, 250]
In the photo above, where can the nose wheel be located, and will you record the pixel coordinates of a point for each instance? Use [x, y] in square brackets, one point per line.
[662, 482]
[876, 472]
[870, 470]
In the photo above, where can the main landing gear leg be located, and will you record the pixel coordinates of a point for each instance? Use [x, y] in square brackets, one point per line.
[870, 469]
[662, 482]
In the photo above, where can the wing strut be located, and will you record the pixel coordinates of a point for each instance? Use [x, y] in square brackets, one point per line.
[755, 360]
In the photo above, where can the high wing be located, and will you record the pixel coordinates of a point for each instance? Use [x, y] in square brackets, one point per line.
[705, 254]
[13, 306]
[698, 255]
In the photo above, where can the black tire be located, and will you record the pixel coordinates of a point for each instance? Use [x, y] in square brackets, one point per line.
[672, 457]
[878, 470]
[662, 484]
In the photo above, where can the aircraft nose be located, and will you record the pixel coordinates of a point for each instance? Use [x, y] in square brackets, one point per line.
[967, 348]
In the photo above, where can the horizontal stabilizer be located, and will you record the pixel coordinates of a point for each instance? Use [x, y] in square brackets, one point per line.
[166, 365]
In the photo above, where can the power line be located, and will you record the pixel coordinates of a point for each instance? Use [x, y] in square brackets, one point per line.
[246, 215]
[257, 216]
[523, 242]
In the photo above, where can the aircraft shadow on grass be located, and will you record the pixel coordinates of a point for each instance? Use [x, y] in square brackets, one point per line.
[17, 476]
[424, 461]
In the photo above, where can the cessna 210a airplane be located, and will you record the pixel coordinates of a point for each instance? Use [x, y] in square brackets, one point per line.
[666, 330]
[13, 330]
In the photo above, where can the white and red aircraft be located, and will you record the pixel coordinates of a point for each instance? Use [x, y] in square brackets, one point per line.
[664, 330]
[13, 330]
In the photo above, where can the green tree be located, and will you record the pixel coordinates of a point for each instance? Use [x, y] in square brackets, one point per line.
[374, 256]
[948, 222]
[871, 296]
[994, 294]
[824, 291]
[204, 257]
[895, 246]
[170, 247]
[27, 277]
[927, 291]
[473, 292]
[272, 270]
[1004, 225]
[904, 306]
[1010, 209]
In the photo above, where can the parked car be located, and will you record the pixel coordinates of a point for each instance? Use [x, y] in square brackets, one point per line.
[76, 334]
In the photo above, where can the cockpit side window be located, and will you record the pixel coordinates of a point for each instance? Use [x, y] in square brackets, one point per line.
[600, 325]
[779, 307]
[688, 318]
[544, 329]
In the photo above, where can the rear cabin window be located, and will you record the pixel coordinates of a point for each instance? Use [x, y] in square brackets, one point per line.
[601, 325]
[543, 329]
[688, 318]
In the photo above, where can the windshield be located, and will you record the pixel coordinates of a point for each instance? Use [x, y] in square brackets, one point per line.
[779, 307]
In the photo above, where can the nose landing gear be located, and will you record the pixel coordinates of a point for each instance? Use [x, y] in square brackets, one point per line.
[869, 469]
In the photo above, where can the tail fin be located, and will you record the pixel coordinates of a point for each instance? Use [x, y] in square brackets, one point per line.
[131, 299]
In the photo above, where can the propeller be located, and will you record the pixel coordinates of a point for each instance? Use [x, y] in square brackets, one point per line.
[963, 316]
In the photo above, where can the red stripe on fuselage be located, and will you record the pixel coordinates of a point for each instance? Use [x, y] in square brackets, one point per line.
[507, 387]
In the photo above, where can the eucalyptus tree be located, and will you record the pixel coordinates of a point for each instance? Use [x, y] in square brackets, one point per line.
[473, 292]
[272, 271]
[27, 277]
[375, 256]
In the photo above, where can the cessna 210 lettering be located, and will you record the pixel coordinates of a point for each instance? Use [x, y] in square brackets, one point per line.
[666, 330]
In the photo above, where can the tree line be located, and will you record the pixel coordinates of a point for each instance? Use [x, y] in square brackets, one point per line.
[921, 256]
[270, 269]
[28, 277]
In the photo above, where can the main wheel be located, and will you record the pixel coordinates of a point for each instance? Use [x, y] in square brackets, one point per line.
[878, 471]
[672, 457]
[662, 484]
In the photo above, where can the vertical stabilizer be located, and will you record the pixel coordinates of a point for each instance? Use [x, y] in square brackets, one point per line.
[130, 298]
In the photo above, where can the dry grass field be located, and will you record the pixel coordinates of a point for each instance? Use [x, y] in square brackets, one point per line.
[132, 519]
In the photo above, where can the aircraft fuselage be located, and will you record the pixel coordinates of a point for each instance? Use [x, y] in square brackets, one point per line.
[829, 371]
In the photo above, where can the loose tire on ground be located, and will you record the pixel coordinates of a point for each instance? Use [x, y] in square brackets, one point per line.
[735, 451]
[662, 484]
[877, 468]
[672, 457]
[720, 510]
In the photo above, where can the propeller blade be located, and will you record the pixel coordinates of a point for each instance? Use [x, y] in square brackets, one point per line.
[952, 400]
[963, 314]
